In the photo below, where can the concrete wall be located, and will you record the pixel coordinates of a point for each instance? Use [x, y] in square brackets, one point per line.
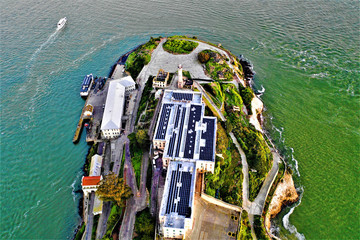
[220, 203]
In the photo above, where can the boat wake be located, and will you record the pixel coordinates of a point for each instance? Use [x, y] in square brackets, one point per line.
[34, 56]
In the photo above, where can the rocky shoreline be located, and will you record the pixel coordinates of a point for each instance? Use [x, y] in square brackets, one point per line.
[285, 195]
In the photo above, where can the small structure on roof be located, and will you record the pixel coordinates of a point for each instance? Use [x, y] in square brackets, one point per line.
[161, 80]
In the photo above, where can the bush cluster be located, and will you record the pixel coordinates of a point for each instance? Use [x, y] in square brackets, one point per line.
[178, 46]
[141, 57]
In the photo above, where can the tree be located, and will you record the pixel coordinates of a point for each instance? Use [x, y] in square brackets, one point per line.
[203, 57]
[144, 225]
[142, 138]
[113, 188]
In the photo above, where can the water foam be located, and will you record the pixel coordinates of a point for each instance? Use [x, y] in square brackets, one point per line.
[286, 219]
[34, 56]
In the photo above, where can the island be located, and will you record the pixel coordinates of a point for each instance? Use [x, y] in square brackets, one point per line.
[177, 148]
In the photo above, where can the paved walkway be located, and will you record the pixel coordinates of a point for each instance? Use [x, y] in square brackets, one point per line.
[89, 225]
[198, 86]
[259, 202]
[245, 169]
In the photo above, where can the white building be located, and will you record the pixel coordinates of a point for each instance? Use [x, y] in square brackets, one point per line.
[95, 165]
[183, 132]
[113, 112]
[129, 84]
[177, 205]
[188, 141]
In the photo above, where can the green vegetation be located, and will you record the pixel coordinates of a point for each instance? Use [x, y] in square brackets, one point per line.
[259, 228]
[144, 226]
[112, 188]
[226, 182]
[186, 74]
[95, 223]
[216, 65]
[214, 91]
[142, 138]
[232, 95]
[179, 46]
[278, 178]
[251, 141]
[142, 56]
[80, 232]
[148, 102]
[114, 218]
[136, 156]
[245, 228]
[247, 95]
[204, 56]
[258, 155]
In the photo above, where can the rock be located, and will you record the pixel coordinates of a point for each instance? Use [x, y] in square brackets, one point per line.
[285, 194]
[256, 108]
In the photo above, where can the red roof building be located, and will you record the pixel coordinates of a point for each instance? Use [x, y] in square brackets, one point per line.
[90, 184]
[90, 181]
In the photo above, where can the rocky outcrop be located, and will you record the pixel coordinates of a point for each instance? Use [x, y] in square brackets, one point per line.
[257, 107]
[285, 194]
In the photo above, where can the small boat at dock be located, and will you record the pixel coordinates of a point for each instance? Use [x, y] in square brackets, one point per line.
[61, 23]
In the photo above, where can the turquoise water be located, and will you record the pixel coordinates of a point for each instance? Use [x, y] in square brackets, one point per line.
[306, 55]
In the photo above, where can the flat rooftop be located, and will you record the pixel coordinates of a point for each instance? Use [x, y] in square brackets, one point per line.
[178, 194]
[189, 135]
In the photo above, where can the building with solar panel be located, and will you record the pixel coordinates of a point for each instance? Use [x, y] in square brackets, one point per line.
[178, 200]
[183, 132]
[187, 139]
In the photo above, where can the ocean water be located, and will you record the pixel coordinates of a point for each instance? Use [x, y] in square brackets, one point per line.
[305, 53]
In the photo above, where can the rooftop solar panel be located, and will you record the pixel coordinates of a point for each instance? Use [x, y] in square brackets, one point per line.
[182, 96]
[171, 145]
[163, 121]
[180, 132]
[179, 192]
[195, 116]
[207, 152]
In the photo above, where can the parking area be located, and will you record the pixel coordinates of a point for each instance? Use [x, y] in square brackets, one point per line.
[213, 222]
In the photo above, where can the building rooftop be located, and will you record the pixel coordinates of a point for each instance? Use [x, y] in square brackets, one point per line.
[178, 194]
[90, 181]
[127, 81]
[207, 142]
[161, 76]
[189, 135]
[114, 106]
[95, 166]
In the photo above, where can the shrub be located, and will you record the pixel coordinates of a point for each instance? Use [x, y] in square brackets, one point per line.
[178, 46]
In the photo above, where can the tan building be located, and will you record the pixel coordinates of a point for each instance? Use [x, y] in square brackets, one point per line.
[161, 80]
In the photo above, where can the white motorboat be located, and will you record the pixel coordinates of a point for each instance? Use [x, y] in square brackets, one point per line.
[61, 23]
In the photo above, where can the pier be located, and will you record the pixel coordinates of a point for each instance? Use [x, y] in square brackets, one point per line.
[86, 113]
